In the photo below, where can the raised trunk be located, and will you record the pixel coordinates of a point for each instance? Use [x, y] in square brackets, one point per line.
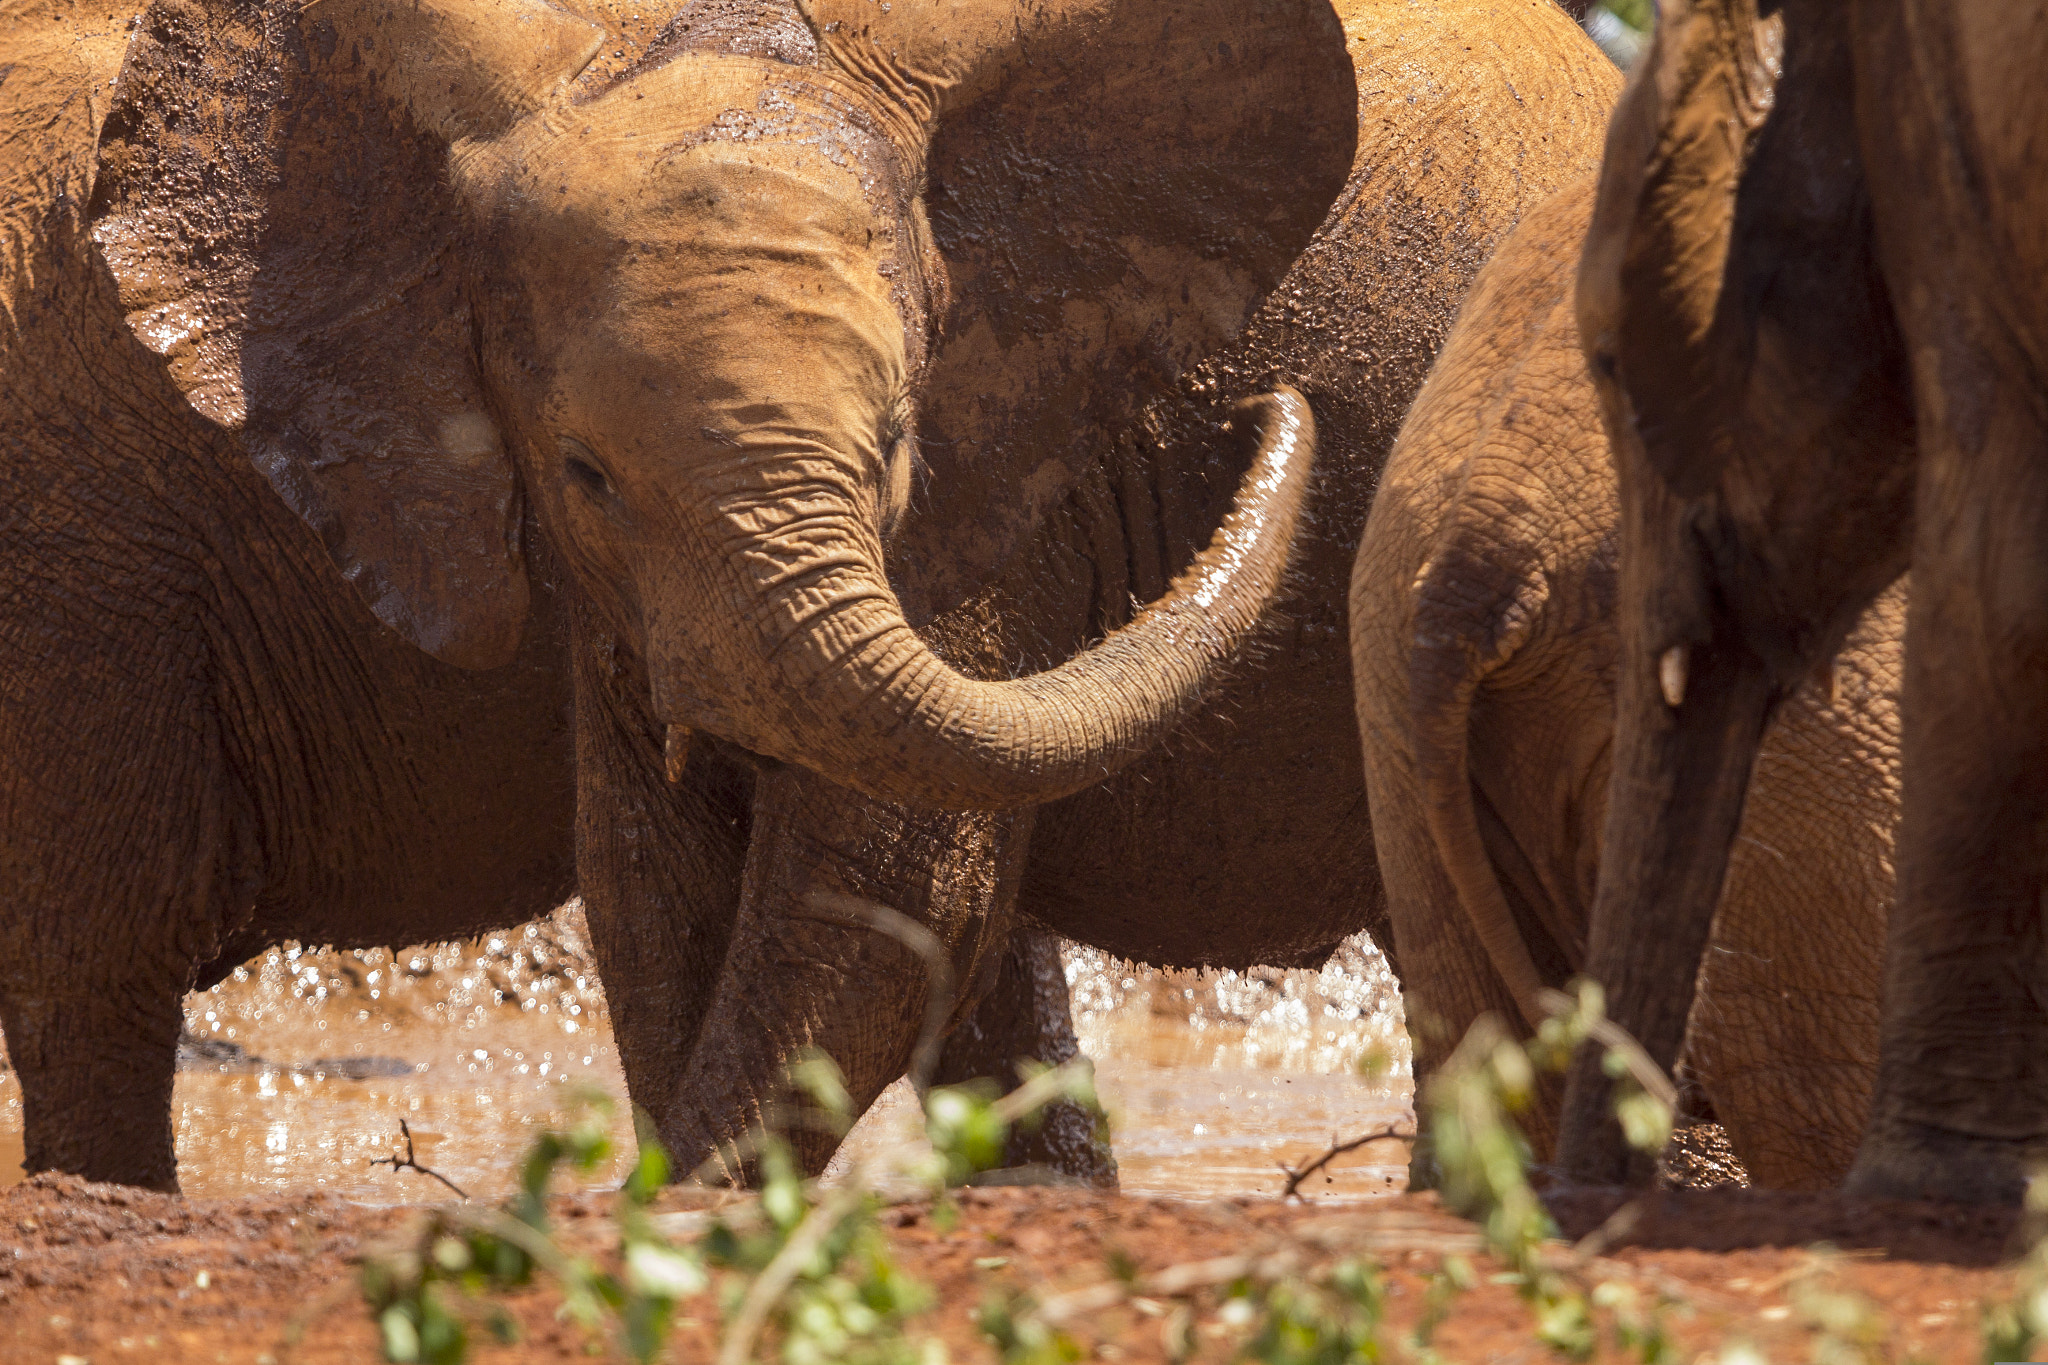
[1681, 776]
[852, 693]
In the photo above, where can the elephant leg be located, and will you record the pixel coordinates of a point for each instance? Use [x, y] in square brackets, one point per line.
[802, 974]
[114, 871]
[1783, 1031]
[1448, 976]
[96, 1069]
[660, 867]
[1961, 1106]
[1026, 1016]
[1448, 981]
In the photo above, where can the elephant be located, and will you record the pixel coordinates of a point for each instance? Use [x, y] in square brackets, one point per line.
[1231, 842]
[1485, 651]
[442, 468]
[1813, 332]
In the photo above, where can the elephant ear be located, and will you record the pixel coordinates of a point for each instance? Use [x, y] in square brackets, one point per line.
[1114, 186]
[273, 202]
[1651, 280]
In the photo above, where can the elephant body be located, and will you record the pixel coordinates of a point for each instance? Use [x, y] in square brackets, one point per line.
[1486, 655]
[208, 744]
[1223, 845]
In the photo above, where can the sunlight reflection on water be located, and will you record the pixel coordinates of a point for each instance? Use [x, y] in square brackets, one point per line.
[298, 1069]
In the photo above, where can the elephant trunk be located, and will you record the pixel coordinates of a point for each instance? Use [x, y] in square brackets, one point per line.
[1688, 723]
[842, 684]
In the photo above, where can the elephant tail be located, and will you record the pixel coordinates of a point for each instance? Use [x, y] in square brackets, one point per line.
[1453, 650]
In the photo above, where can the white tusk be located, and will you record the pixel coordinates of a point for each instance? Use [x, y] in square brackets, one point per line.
[675, 751]
[1828, 678]
[1671, 676]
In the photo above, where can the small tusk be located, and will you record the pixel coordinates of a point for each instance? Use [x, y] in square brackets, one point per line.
[1828, 679]
[675, 751]
[1671, 676]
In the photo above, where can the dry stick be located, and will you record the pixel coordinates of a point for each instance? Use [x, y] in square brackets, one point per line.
[1337, 1149]
[409, 1163]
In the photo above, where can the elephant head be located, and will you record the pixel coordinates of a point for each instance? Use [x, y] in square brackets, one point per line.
[1753, 383]
[701, 316]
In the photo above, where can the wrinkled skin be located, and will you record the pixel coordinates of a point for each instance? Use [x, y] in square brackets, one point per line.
[1816, 333]
[208, 744]
[1485, 649]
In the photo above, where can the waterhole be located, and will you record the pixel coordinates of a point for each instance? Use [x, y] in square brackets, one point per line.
[296, 1072]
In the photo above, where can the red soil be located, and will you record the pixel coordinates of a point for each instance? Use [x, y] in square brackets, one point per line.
[109, 1274]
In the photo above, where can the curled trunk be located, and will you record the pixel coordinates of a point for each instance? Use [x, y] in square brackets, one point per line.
[851, 692]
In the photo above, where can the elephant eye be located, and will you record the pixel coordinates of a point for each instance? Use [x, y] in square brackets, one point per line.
[580, 467]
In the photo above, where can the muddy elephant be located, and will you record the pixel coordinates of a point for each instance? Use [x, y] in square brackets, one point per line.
[1818, 335]
[433, 455]
[1485, 651]
[1217, 846]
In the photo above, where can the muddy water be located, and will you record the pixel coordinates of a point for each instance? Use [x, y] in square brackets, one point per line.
[297, 1072]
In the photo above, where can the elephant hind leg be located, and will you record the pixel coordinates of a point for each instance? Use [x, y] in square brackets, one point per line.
[1025, 1016]
[116, 879]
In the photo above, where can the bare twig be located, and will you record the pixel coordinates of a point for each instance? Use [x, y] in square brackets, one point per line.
[1337, 1149]
[409, 1162]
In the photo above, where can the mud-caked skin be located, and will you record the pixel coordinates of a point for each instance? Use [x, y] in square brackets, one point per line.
[1813, 298]
[207, 742]
[1485, 648]
[386, 383]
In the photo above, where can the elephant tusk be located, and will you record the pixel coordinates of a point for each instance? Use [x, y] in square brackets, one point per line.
[675, 752]
[1828, 679]
[1671, 675]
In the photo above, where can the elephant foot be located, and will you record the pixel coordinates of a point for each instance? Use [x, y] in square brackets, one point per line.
[1904, 1160]
[1071, 1140]
[96, 1075]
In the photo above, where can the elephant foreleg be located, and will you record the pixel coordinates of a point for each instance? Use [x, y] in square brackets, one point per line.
[802, 974]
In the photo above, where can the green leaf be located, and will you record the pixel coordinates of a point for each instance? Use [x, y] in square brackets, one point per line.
[401, 1337]
[664, 1272]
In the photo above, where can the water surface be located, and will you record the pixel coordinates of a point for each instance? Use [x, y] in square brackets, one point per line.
[299, 1069]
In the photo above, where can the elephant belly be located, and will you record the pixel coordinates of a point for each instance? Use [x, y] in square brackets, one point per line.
[431, 802]
[1244, 839]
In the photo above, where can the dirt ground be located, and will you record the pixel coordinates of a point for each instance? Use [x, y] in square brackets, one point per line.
[104, 1274]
